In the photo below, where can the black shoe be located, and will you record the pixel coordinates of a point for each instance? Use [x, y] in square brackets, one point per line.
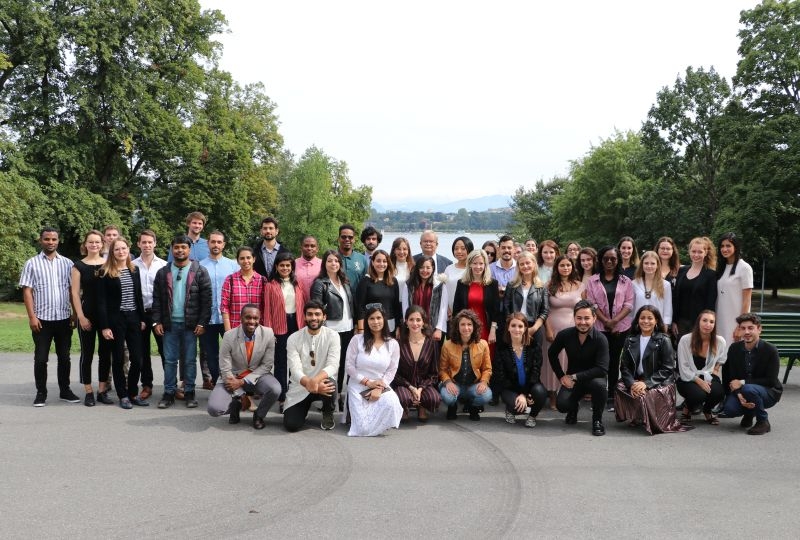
[258, 422]
[168, 400]
[680, 405]
[598, 428]
[139, 402]
[473, 414]
[41, 399]
[88, 400]
[102, 397]
[68, 396]
[571, 418]
[452, 412]
[191, 402]
[494, 401]
[327, 420]
[761, 427]
[235, 409]
[747, 421]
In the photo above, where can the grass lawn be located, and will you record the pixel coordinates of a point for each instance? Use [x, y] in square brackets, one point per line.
[15, 334]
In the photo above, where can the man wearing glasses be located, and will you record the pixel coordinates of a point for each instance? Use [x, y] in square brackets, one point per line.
[428, 242]
[313, 361]
[355, 263]
[181, 311]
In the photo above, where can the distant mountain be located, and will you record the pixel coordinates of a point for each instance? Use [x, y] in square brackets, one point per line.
[480, 204]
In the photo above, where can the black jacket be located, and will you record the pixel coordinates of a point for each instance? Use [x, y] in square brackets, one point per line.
[766, 365]
[109, 299]
[197, 309]
[537, 303]
[658, 361]
[491, 301]
[507, 367]
[323, 291]
[260, 265]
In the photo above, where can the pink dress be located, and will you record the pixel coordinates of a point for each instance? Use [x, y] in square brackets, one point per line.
[560, 317]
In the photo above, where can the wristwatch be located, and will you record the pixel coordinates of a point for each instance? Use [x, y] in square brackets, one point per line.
[574, 377]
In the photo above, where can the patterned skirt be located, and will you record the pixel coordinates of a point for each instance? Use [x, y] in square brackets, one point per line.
[655, 410]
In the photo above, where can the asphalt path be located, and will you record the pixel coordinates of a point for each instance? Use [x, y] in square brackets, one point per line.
[69, 471]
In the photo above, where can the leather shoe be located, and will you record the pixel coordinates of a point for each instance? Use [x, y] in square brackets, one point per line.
[572, 418]
[258, 422]
[761, 427]
[179, 394]
[208, 384]
[235, 409]
[747, 421]
[598, 428]
[146, 392]
[452, 412]
[473, 414]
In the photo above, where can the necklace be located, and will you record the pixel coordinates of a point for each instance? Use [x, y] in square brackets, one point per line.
[647, 294]
[418, 342]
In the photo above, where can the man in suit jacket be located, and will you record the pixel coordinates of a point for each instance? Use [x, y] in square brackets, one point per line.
[429, 241]
[246, 357]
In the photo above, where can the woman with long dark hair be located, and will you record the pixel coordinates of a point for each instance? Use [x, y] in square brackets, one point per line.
[612, 292]
[372, 359]
[461, 248]
[332, 290]
[417, 374]
[465, 366]
[629, 256]
[83, 292]
[283, 311]
[120, 315]
[421, 290]
[546, 258]
[646, 392]
[379, 286]
[587, 264]
[670, 259]
[700, 357]
[519, 363]
[401, 258]
[734, 286]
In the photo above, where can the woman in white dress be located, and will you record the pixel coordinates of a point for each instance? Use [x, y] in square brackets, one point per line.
[649, 288]
[734, 287]
[371, 364]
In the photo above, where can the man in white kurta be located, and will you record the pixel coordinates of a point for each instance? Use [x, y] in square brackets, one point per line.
[312, 355]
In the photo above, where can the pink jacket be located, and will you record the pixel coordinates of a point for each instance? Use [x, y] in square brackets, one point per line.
[623, 298]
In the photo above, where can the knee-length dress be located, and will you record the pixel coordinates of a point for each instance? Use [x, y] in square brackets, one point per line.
[729, 298]
[560, 317]
[370, 418]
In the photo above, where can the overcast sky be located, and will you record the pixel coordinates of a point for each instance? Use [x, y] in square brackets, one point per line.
[448, 100]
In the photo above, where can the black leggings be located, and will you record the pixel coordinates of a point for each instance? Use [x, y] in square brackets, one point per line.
[87, 338]
[538, 393]
[695, 396]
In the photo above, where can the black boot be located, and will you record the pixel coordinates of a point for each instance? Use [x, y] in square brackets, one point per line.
[452, 412]
[235, 409]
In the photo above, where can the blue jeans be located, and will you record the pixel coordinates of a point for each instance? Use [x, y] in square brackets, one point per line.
[178, 338]
[471, 395]
[209, 341]
[753, 393]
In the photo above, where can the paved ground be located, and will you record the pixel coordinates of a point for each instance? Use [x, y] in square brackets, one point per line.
[71, 471]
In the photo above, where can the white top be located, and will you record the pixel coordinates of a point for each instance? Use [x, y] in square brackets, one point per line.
[686, 367]
[545, 272]
[664, 305]
[49, 279]
[453, 274]
[326, 347]
[147, 276]
[345, 324]
[729, 297]
[401, 273]
[287, 289]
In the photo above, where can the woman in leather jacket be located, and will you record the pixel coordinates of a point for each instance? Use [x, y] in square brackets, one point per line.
[646, 390]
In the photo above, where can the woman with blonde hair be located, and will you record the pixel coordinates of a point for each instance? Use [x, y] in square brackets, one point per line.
[650, 288]
[695, 286]
[120, 315]
[478, 291]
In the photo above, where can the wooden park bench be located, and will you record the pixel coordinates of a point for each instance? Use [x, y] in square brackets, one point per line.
[783, 331]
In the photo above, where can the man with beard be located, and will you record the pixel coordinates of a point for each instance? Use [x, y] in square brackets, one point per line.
[269, 247]
[246, 358]
[505, 267]
[195, 223]
[371, 238]
[751, 375]
[313, 361]
[181, 310]
[354, 263]
[45, 282]
[308, 265]
[587, 366]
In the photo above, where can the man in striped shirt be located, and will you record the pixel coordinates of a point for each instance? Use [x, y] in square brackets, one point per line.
[45, 283]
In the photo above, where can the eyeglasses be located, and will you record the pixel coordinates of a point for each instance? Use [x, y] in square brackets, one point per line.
[180, 269]
[491, 254]
[313, 358]
[376, 305]
[609, 259]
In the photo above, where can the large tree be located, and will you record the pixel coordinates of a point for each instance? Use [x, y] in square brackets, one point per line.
[533, 210]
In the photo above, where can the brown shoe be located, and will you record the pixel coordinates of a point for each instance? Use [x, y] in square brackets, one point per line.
[404, 418]
[245, 402]
[179, 394]
[422, 414]
[208, 384]
[761, 427]
[146, 392]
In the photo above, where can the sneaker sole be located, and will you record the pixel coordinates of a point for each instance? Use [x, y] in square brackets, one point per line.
[39, 404]
[70, 400]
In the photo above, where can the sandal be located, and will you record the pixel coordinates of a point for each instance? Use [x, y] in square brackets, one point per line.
[712, 419]
[686, 415]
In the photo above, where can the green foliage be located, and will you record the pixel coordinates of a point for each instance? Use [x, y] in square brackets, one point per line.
[533, 210]
[19, 225]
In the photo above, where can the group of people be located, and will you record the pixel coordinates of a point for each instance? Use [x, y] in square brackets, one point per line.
[404, 334]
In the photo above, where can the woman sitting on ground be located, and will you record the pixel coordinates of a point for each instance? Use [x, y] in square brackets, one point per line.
[417, 374]
[519, 362]
[465, 366]
[646, 390]
[700, 357]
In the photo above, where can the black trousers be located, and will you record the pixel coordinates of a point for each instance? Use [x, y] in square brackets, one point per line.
[127, 330]
[147, 366]
[538, 393]
[615, 343]
[87, 339]
[569, 399]
[295, 416]
[59, 332]
[344, 341]
[695, 396]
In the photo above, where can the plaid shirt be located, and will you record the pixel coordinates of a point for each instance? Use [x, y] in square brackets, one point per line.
[236, 293]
